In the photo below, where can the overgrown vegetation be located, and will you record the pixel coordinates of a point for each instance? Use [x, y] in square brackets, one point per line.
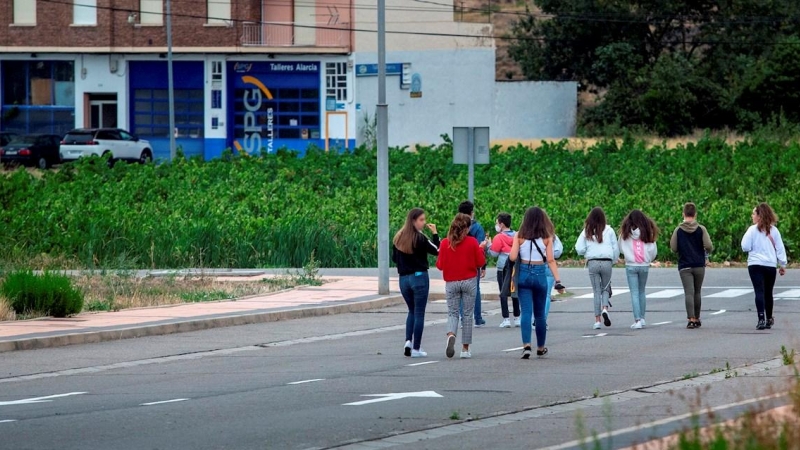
[43, 294]
[276, 210]
[670, 66]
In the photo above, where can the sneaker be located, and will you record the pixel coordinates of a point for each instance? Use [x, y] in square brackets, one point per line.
[466, 354]
[526, 353]
[480, 323]
[770, 323]
[643, 322]
[637, 325]
[533, 325]
[597, 326]
[691, 325]
[517, 322]
[697, 323]
[762, 325]
[606, 318]
[418, 353]
[505, 324]
[450, 351]
[407, 349]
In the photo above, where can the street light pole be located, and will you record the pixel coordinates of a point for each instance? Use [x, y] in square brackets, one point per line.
[382, 113]
[170, 84]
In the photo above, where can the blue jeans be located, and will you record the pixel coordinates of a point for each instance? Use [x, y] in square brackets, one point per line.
[478, 317]
[637, 282]
[551, 282]
[532, 289]
[415, 289]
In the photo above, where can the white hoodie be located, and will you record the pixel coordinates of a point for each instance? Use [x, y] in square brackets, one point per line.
[636, 251]
[761, 251]
[608, 249]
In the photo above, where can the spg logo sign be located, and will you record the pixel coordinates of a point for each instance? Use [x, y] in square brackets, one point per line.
[254, 132]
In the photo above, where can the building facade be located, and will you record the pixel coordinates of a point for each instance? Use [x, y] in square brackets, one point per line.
[249, 75]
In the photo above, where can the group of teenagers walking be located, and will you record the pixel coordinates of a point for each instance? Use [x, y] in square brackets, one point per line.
[527, 271]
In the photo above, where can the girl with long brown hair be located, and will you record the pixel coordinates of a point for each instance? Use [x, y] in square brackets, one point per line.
[765, 251]
[637, 243]
[410, 254]
[461, 258]
[598, 244]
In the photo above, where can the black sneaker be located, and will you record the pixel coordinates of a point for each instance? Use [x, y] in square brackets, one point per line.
[770, 323]
[762, 324]
[526, 353]
[698, 324]
[691, 325]
[606, 318]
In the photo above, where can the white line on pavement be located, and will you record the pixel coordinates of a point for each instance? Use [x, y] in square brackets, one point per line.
[7, 421]
[616, 292]
[165, 401]
[791, 293]
[665, 421]
[422, 363]
[666, 293]
[595, 335]
[513, 349]
[721, 311]
[49, 398]
[306, 381]
[730, 293]
[662, 323]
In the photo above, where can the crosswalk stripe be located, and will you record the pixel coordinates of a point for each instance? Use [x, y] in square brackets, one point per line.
[616, 292]
[730, 293]
[792, 293]
[666, 293]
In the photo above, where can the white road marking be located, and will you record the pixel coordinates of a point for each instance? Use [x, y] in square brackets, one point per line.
[7, 421]
[791, 293]
[595, 335]
[49, 398]
[616, 292]
[721, 311]
[665, 421]
[666, 293]
[730, 293]
[395, 396]
[165, 401]
[422, 363]
[513, 349]
[662, 323]
[306, 381]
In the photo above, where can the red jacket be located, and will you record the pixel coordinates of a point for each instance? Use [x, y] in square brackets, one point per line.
[462, 263]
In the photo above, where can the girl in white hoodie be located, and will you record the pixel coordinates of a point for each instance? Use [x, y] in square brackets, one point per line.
[765, 251]
[637, 242]
[598, 245]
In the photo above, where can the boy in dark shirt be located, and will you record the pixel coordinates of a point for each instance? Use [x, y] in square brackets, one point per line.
[691, 242]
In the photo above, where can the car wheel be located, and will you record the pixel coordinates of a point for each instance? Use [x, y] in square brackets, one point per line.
[146, 157]
[42, 163]
[109, 158]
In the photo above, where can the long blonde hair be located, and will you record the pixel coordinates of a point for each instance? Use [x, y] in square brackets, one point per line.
[459, 229]
[406, 238]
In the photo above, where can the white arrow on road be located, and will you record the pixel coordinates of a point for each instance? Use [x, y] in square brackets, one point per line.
[49, 398]
[397, 396]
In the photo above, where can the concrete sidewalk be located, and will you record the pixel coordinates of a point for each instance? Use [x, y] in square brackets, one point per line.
[338, 295]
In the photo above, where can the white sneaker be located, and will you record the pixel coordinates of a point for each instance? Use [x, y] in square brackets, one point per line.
[407, 349]
[643, 322]
[597, 326]
[636, 325]
[418, 353]
[517, 322]
[466, 354]
[505, 324]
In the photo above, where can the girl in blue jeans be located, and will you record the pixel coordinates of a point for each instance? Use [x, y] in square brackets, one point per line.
[410, 253]
[532, 251]
[637, 243]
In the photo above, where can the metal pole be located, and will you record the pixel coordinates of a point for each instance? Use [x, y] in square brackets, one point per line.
[170, 84]
[382, 111]
[471, 163]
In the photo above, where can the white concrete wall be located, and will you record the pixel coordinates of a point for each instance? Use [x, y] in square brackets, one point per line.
[534, 110]
[93, 75]
[457, 90]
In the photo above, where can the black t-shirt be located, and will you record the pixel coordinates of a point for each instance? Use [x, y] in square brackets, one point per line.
[410, 263]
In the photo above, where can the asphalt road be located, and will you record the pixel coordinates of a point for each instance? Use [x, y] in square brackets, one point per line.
[292, 385]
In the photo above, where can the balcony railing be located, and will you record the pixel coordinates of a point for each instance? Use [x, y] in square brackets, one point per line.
[285, 34]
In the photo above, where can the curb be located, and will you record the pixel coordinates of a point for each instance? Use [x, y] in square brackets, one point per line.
[91, 337]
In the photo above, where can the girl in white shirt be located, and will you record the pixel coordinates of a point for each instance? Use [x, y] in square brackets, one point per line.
[765, 251]
[598, 244]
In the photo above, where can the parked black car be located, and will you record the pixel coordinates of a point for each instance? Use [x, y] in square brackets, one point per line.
[6, 137]
[38, 150]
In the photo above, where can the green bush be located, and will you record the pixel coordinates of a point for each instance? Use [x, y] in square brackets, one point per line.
[276, 210]
[47, 293]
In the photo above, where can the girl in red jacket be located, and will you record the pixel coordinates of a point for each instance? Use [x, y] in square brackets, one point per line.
[460, 259]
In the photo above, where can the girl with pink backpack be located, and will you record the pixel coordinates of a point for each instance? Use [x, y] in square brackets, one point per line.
[637, 243]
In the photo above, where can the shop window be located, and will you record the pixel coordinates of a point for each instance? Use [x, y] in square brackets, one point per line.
[219, 12]
[38, 96]
[336, 81]
[84, 12]
[24, 12]
[289, 113]
[151, 112]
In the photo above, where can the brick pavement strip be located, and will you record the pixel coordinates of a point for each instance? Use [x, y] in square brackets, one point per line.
[339, 296]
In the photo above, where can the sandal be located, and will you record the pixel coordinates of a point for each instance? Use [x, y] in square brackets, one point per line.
[526, 353]
[541, 352]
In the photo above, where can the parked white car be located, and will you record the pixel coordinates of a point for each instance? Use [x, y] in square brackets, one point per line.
[118, 144]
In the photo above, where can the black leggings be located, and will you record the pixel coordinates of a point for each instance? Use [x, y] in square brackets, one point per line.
[763, 279]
